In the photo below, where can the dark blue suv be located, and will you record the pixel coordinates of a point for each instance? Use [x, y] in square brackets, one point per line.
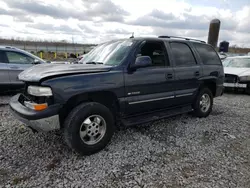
[130, 81]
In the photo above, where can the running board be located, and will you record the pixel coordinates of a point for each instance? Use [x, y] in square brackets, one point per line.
[145, 118]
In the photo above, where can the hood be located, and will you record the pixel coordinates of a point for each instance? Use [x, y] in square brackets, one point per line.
[38, 72]
[237, 71]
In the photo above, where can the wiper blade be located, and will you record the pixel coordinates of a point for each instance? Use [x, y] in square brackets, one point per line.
[94, 62]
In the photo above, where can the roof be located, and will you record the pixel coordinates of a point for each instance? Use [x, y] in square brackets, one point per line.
[170, 38]
[7, 47]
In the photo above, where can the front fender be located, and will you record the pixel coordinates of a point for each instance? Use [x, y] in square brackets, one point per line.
[65, 87]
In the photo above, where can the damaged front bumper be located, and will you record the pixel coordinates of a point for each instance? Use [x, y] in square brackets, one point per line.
[45, 120]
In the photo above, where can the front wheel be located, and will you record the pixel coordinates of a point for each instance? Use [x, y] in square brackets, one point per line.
[89, 128]
[203, 103]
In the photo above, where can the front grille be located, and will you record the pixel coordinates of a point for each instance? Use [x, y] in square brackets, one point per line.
[230, 78]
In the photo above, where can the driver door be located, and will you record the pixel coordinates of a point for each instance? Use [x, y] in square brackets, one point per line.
[17, 62]
[150, 88]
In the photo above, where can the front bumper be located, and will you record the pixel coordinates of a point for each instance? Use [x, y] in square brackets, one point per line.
[46, 120]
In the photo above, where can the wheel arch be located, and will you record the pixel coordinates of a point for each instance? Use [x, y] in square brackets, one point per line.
[106, 98]
[210, 84]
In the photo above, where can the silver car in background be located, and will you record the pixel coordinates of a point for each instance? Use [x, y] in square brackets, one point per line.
[12, 62]
[237, 72]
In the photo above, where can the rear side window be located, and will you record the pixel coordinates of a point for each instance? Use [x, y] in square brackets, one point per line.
[207, 54]
[182, 54]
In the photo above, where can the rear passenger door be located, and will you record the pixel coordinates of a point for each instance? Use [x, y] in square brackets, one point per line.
[17, 63]
[187, 72]
[4, 69]
[212, 66]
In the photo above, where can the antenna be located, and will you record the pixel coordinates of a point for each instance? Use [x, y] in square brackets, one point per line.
[132, 36]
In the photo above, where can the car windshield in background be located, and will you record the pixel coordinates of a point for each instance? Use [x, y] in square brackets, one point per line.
[237, 63]
[111, 53]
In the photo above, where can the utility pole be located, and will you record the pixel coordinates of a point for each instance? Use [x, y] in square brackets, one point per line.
[132, 35]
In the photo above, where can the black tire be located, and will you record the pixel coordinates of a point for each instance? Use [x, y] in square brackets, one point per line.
[74, 122]
[248, 89]
[198, 112]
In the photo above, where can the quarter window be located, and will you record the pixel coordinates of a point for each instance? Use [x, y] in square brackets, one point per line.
[18, 58]
[182, 54]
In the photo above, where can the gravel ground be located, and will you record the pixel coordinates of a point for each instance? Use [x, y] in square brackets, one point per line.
[182, 151]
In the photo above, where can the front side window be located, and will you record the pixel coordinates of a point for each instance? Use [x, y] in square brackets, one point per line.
[111, 53]
[156, 51]
[182, 54]
[207, 54]
[18, 58]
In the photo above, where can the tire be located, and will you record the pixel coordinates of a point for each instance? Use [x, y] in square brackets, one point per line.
[81, 125]
[200, 110]
[248, 89]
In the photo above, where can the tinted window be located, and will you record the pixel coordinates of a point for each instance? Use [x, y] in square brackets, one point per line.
[207, 54]
[156, 51]
[18, 58]
[2, 57]
[182, 54]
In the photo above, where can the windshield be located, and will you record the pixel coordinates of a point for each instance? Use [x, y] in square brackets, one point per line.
[237, 63]
[111, 53]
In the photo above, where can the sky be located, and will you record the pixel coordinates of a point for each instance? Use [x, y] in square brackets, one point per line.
[96, 21]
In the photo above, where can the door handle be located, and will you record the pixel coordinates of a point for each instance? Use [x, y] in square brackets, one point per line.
[197, 73]
[14, 67]
[169, 76]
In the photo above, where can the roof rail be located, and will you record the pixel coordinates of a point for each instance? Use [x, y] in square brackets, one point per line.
[10, 47]
[182, 38]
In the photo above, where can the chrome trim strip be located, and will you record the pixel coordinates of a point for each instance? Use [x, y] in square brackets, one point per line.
[184, 95]
[150, 100]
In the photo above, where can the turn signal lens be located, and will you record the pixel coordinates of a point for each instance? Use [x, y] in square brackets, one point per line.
[35, 106]
[39, 107]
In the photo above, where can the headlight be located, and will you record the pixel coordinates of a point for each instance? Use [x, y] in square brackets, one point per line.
[245, 78]
[39, 91]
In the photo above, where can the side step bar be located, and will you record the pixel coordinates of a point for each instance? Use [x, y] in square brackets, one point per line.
[145, 118]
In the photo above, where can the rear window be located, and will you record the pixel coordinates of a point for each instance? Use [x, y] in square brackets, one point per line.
[208, 54]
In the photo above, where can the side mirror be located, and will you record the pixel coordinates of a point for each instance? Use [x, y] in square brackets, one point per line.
[36, 62]
[142, 61]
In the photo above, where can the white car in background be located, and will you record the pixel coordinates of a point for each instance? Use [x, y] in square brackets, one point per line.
[237, 72]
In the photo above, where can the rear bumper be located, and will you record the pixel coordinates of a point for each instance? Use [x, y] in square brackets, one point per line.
[219, 90]
[235, 85]
[46, 120]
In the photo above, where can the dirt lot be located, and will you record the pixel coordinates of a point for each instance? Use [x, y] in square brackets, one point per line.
[182, 151]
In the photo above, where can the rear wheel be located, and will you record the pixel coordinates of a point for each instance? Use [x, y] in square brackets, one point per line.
[203, 103]
[89, 128]
[248, 89]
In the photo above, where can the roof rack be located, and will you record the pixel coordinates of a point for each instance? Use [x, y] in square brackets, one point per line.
[10, 47]
[189, 39]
